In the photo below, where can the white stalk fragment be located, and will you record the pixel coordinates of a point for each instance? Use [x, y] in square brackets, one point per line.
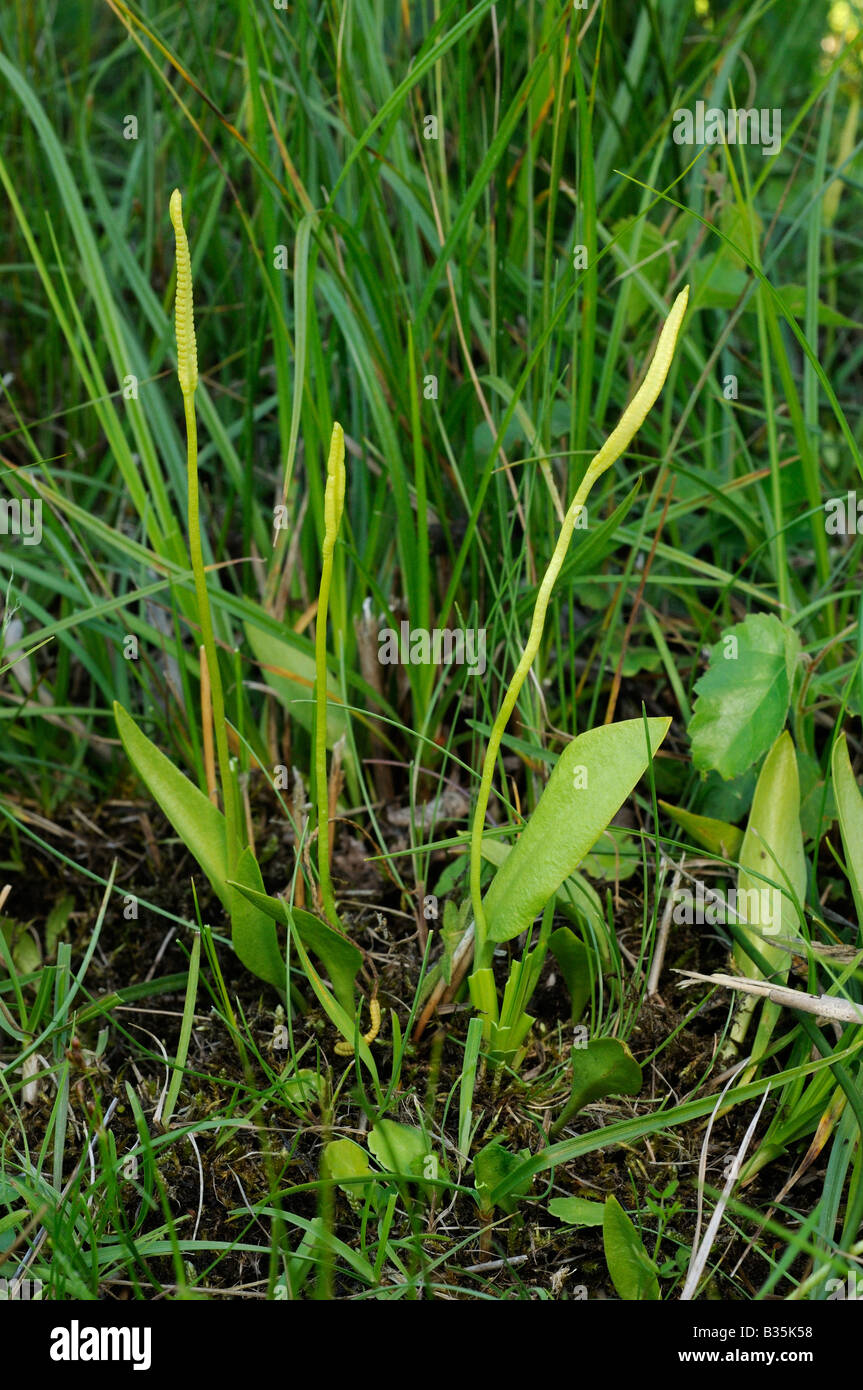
[823, 1005]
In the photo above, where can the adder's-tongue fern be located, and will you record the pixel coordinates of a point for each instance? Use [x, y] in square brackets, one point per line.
[619, 439]
[334, 501]
[187, 372]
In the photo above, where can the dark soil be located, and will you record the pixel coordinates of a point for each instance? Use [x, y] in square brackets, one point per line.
[274, 1153]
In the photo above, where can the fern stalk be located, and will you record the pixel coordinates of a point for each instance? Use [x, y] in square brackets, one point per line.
[619, 440]
[334, 501]
[187, 372]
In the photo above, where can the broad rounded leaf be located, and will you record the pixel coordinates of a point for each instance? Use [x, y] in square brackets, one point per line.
[398, 1148]
[577, 1211]
[343, 1160]
[493, 1166]
[348, 1164]
[606, 1067]
[743, 696]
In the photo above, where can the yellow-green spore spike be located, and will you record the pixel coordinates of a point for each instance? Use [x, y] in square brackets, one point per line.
[184, 317]
[635, 413]
[334, 496]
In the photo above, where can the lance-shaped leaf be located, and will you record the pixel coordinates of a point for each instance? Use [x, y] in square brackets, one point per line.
[291, 674]
[717, 836]
[199, 824]
[337, 1015]
[590, 782]
[772, 850]
[340, 957]
[201, 827]
[850, 805]
[632, 1271]
[772, 862]
[576, 966]
[289, 671]
[252, 931]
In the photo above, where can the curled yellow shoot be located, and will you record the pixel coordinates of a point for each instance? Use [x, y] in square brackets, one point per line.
[619, 440]
[346, 1049]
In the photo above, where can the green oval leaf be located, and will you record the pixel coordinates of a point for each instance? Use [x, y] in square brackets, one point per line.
[850, 806]
[492, 1166]
[772, 850]
[590, 782]
[577, 1211]
[632, 1271]
[398, 1148]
